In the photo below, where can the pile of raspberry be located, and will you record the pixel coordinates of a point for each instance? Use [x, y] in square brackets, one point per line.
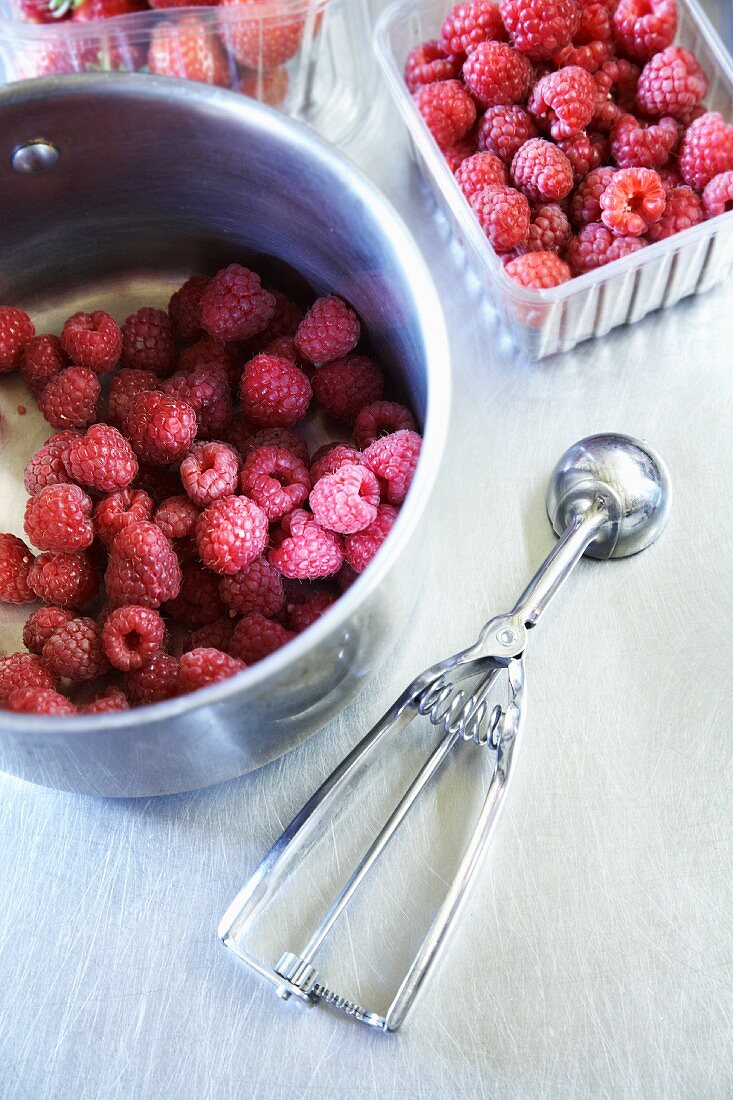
[178, 529]
[574, 128]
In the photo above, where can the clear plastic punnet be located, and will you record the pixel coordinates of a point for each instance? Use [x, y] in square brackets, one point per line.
[543, 322]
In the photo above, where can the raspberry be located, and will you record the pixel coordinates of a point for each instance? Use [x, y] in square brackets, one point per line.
[230, 534]
[644, 27]
[469, 24]
[24, 670]
[41, 357]
[46, 467]
[69, 399]
[200, 667]
[206, 389]
[329, 330]
[75, 650]
[430, 62]
[161, 428]
[256, 637]
[684, 208]
[717, 198]
[670, 176]
[394, 459]
[109, 701]
[234, 305]
[284, 346]
[211, 351]
[585, 206]
[34, 700]
[276, 480]
[102, 459]
[147, 341]
[636, 144]
[16, 328]
[346, 501]
[277, 437]
[596, 245]
[284, 321]
[124, 388]
[447, 110]
[92, 340]
[548, 232]
[330, 458]
[302, 615]
[633, 200]
[304, 550]
[361, 547]
[153, 682]
[274, 392]
[132, 635]
[480, 170]
[258, 587]
[177, 517]
[344, 386]
[210, 471]
[198, 603]
[542, 171]
[503, 214]
[59, 519]
[216, 635]
[538, 270]
[706, 150]
[381, 418]
[539, 27]
[456, 154]
[583, 154]
[504, 129]
[589, 56]
[16, 561]
[66, 580]
[41, 625]
[184, 308]
[616, 83]
[142, 567]
[565, 99]
[118, 510]
[671, 83]
[495, 73]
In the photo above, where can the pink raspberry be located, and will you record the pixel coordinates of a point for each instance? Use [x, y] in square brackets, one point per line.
[616, 83]
[41, 625]
[303, 614]
[200, 667]
[75, 650]
[633, 200]
[583, 153]
[277, 437]
[636, 144]
[495, 73]
[684, 208]
[66, 580]
[284, 321]
[46, 467]
[469, 24]
[361, 547]
[124, 388]
[257, 587]
[35, 700]
[394, 460]
[276, 480]
[585, 206]
[504, 129]
[542, 171]
[447, 110]
[153, 682]
[107, 702]
[118, 510]
[549, 231]
[234, 305]
[198, 602]
[671, 83]
[102, 459]
[303, 550]
[596, 22]
[644, 27]
[216, 635]
[59, 519]
[329, 330]
[132, 635]
[717, 198]
[430, 62]
[503, 213]
[176, 516]
[210, 352]
[456, 154]
[565, 100]
[24, 670]
[476, 172]
[184, 308]
[706, 150]
[589, 56]
[540, 27]
[274, 392]
[205, 387]
[230, 534]
[15, 565]
[16, 328]
[381, 418]
[160, 428]
[147, 341]
[41, 358]
[330, 458]
[596, 246]
[69, 399]
[256, 637]
[210, 471]
[343, 386]
[347, 500]
[538, 270]
[92, 340]
[142, 567]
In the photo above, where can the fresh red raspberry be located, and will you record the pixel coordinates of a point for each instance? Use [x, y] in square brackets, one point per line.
[230, 534]
[69, 399]
[585, 206]
[107, 702]
[540, 27]
[102, 459]
[284, 346]
[40, 359]
[118, 510]
[24, 670]
[34, 700]
[565, 100]
[132, 635]
[456, 154]
[206, 389]
[66, 580]
[41, 625]
[276, 480]
[216, 635]
[46, 467]
[153, 682]
[304, 613]
[184, 308]
[684, 208]
[429, 62]
[234, 305]
[549, 231]
[381, 418]
[717, 198]
[160, 428]
[177, 517]
[347, 500]
[210, 471]
[447, 110]
[284, 321]
[330, 458]
[644, 27]
[503, 213]
[256, 637]
[303, 550]
[210, 351]
[671, 83]
[125, 386]
[469, 24]
[394, 460]
[542, 171]
[616, 83]
[633, 200]
[92, 340]
[590, 56]
[147, 341]
[59, 519]
[538, 270]
[343, 386]
[75, 650]
[670, 176]
[260, 41]
[504, 129]
[495, 73]
[584, 155]
[258, 587]
[142, 567]
[200, 667]
[329, 330]
[596, 246]
[16, 328]
[276, 437]
[198, 602]
[706, 150]
[478, 171]
[636, 144]
[274, 392]
[16, 561]
[361, 547]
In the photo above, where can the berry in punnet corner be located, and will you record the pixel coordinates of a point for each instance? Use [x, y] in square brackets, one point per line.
[190, 50]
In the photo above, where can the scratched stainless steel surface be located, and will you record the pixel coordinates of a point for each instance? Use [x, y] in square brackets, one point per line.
[595, 958]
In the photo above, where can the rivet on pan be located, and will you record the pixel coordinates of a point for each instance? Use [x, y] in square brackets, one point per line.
[33, 157]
